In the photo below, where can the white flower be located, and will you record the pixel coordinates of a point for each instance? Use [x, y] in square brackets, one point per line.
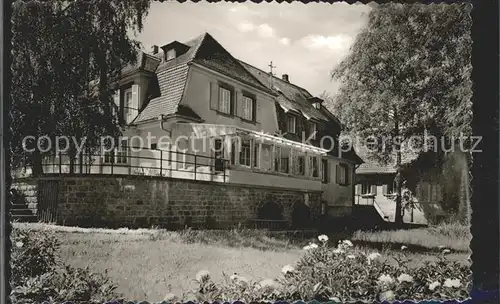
[310, 246]
[268, 283]
[385, 279]
[452, 283]
[373, 256]
[351, 256]
[19, 244]
[446, 251]
[238, 279]
[323, 238]
[338, 250]
[387, 296]
[170, 297]
[405, 278]
[287, 269]
[433, 285]
[347, 243]
[202, 275]
[404, 247]
[441, 247]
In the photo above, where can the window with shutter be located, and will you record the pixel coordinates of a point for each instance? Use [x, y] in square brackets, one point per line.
[291, 124]
[342, 175]
[256, 155]
[358, 189]
[315, 169]
[277, 157]
[312, 130]
[127, 106]
[325, 169]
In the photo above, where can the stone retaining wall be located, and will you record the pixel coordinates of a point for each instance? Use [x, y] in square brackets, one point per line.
[138, 201]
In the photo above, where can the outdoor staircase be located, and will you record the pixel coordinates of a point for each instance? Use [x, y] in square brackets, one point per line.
[381, 213]
[21, 213]
[19, 210]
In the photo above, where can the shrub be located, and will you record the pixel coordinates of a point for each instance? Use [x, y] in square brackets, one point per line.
[37, 273]
[347, 274]
[33, 253]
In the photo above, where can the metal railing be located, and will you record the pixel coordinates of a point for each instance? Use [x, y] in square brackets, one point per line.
[136, 161]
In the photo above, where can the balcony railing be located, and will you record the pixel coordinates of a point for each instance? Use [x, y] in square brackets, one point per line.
[136, 161]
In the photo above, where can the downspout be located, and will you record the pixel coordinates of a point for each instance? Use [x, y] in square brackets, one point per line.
[162, 120]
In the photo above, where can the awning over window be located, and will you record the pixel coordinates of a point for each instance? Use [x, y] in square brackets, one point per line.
[199, 130]
[204, 130]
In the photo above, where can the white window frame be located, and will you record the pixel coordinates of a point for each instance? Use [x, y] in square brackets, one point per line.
[117, 155]
[291, 125]
[247, 108]
[366, 187]
[244, 155]
[121, 153]
[224, 100]
[171, 54]
[109, 157]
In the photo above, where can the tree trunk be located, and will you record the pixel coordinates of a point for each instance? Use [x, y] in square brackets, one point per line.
[36, 163]
[398, 216]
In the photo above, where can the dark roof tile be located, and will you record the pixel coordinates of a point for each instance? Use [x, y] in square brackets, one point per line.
[291, 97]
[172, 83]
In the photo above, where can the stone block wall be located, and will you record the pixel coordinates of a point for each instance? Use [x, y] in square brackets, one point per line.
[138, 201]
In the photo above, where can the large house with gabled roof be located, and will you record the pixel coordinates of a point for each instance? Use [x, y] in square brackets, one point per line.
[198, 87]
[199, 113]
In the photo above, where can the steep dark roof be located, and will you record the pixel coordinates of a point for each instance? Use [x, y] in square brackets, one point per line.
[373, 166]
[172, 74]
[291, 97]
[172, 82]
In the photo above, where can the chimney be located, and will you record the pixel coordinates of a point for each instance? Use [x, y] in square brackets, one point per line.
[285, 77]
[155, 49]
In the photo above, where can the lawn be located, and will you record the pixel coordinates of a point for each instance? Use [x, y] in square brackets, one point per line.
[146, 264]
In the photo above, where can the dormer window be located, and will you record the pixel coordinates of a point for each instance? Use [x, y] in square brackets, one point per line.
[174, 49]
[316, 102]
[170, 54]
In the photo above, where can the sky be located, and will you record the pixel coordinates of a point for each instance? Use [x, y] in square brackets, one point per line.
[305, 41]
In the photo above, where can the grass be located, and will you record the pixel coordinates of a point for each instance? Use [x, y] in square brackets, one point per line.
[146, 264]
[452, 236]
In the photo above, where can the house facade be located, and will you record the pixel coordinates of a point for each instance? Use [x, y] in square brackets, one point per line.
[212, 105]
[193, 111]
[375, 185]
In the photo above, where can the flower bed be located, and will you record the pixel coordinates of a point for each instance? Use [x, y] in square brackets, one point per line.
[344, 273]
